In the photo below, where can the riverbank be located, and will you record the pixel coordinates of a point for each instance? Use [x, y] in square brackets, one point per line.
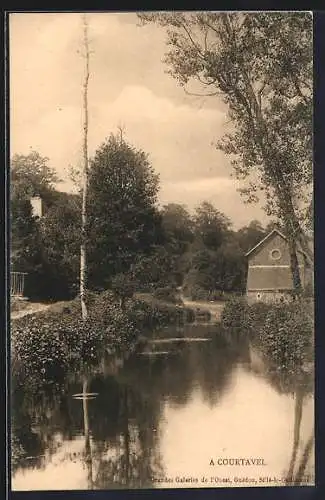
[212, 310]
[49, 340]
[282, 335]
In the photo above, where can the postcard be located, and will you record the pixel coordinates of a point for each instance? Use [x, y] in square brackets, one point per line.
[161, 259]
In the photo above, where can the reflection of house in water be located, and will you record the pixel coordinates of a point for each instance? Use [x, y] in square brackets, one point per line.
[269, 275]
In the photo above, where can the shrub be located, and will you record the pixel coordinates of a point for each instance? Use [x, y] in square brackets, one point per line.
[287, 337]
[283, 333]
[256, 315]
[46, 346]
[149, 316]
[235, 319]
[123, 286]
[37, 350]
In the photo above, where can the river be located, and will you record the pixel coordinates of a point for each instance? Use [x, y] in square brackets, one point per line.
[180, 413]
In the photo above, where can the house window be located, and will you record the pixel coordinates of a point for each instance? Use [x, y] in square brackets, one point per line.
[275, 254]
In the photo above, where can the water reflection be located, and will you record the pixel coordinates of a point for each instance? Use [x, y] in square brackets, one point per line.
[159, 417]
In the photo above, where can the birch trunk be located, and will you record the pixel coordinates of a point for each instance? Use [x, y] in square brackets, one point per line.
[83, 252]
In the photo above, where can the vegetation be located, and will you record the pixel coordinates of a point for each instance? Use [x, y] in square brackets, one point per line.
[283, 333]
[47, 345]
[122, 218]
[260, 65]
[44, 248]
[131, 245]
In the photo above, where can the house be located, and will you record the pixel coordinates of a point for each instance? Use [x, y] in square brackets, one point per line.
[269, 277]
[36, 203]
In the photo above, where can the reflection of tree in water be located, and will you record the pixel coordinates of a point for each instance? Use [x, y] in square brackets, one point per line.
[214, 365]
[303, 388]
[207, 365]
[134, 459]
[33, 436]
[301, 385]
[122, 425]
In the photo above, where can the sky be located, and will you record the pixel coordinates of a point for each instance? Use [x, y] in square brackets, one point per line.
[128, 88]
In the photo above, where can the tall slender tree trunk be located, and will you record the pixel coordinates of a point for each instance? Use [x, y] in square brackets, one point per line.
[282, 191]
[83, 249]
[294, 266]
[88, 455]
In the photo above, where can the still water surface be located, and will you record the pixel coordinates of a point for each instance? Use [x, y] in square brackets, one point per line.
[173, 415]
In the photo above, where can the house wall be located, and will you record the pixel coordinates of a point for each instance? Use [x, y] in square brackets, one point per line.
[262, 254]
[36, 203]
[271, 277]
[266, 278]
[268, 296]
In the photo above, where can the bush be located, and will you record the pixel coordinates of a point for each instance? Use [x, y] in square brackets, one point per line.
[286, 338]
[283, 333]
[47, 345]
[257, 314]
[235, 318]
[123, 286]
[150, 315]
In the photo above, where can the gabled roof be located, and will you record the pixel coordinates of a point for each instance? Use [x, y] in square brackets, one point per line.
[266, 238]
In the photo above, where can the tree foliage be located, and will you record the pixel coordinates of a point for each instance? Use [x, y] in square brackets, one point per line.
[210, 225]
[43, 248]
[249, 236]
[177, 226]
[30, 175]
[122, 214]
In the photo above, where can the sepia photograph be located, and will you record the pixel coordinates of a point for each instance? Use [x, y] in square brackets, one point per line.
[161, 250]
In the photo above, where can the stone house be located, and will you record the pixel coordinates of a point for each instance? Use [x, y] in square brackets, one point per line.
[269, 276]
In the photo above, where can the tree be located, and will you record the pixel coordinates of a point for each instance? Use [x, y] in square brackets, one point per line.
[177, 225]
[46, 248]
[178, 234]
[248, 236]
[220, 270]
[216, 260]
[230, 268]
[84, 189]
[210, 225]
[30, 176]
[60, 237]
[123, 221]
[260, 65]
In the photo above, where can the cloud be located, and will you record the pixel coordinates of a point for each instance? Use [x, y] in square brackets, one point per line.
[178, 138]
[128, 86]
[220, 191]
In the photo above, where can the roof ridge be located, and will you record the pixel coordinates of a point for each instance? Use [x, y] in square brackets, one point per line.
[274, 230]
